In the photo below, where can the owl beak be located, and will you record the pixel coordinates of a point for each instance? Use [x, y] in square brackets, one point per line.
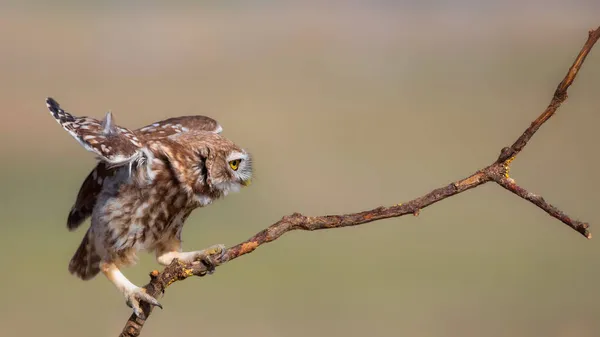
[246, 182]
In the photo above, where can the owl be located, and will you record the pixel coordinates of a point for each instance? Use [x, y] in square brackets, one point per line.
[145, 184]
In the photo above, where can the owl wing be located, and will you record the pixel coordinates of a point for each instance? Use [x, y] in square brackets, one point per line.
[175, 125]
[88, 194]
[111, 143]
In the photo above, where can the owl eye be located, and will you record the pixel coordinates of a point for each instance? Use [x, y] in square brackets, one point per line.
[234, 164]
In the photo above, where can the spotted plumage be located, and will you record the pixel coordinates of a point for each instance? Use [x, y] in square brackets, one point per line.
[112, 144]
[145, 185]
[92, 185]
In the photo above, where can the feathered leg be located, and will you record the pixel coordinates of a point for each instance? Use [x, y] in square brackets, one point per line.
[132, 293]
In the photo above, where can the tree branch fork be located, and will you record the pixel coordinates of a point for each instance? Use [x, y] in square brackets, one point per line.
[497, 172]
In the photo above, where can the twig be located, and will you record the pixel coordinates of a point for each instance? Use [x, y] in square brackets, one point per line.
[497, 172]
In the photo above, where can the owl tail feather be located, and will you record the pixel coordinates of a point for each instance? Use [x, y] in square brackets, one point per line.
[85, 263]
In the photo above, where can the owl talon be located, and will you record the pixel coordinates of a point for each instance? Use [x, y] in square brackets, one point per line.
[211, 257]
[134, 297]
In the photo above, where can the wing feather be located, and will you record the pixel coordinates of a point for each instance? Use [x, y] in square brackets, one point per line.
[87, 196]
[112, 144]
[175, 125]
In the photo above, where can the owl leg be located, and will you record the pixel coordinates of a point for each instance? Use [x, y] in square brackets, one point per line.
[132, 293]
[207, 256]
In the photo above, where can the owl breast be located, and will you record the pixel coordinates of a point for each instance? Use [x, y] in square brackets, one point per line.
[132, 216]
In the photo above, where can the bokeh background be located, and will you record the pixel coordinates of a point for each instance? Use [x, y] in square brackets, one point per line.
[346, 105]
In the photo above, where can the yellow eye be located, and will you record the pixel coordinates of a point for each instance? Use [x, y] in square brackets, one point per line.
[234, 164]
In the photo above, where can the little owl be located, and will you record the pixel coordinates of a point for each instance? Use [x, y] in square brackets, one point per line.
[144, 186]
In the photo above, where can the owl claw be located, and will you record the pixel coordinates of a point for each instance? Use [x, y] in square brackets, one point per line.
[134, 297]
[211, 257]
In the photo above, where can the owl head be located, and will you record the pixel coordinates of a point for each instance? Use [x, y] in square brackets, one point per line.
[208, 164]
[228, 167]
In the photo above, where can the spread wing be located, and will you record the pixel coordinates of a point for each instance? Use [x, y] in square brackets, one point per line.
[171, 126]
[111, 143]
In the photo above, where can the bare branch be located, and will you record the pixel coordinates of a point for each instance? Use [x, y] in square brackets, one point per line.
[497, 172]
[560, 95]
[537, 200]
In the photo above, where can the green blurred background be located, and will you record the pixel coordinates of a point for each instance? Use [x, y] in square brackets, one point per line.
[346, 105]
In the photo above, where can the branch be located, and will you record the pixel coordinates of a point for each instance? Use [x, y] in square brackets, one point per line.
[497, 172]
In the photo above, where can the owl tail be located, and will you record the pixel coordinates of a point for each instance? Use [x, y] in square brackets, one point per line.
[85, 264]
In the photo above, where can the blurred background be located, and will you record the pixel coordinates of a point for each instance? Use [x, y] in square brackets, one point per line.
[346, 106]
